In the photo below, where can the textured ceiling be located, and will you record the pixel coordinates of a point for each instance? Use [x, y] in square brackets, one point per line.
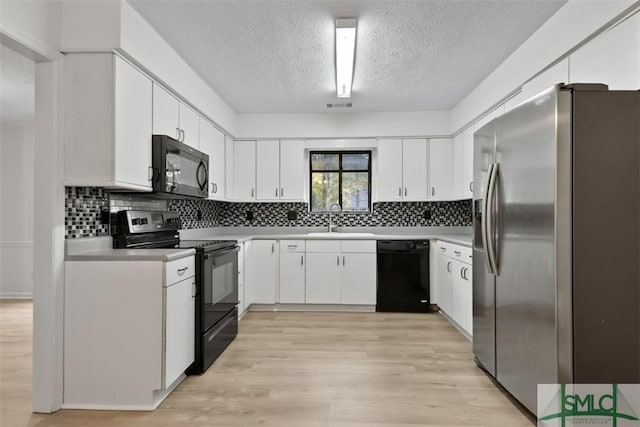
[278, 56]
[17, 87]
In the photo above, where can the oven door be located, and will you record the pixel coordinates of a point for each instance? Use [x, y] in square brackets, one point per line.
[219, 285]
[181, 170]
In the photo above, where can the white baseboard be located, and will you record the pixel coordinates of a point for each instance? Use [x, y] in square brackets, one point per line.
[313, 307]
[16, 295]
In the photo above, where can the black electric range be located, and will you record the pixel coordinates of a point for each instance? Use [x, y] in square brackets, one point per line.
[216, 319]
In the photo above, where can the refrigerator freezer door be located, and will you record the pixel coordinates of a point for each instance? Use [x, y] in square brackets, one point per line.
[484, 316]
[526, 340]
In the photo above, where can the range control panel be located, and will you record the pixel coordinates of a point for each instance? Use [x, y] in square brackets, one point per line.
[148, 221]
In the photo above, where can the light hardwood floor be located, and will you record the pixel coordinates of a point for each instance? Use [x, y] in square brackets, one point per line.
[296, 369]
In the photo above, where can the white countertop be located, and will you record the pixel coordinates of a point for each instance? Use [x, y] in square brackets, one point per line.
[100, 249]
[461, 235]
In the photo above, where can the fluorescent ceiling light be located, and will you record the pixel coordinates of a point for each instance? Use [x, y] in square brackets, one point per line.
[345, 55]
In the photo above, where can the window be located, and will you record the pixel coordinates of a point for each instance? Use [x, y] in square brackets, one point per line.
[342, 177]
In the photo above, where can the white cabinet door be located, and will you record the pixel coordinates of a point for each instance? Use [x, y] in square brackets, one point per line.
[323, 278]
[468, 291]
[267, 170]
[229, 154]
[457, 189]
[458, 300]
[467, 164]
[244, 170]
[358, 278]
[441, 168]
[444, 283]
[414, 169]
[179, 329]
[292, 277]
[189, 126]
[212, 143]
[166, 113]
[133, 125]
[263, 266]
[389, 177]
[292, 170]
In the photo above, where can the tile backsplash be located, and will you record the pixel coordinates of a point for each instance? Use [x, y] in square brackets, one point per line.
[84, 207]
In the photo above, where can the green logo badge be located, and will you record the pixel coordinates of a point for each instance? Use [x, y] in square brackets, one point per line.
[573, 405]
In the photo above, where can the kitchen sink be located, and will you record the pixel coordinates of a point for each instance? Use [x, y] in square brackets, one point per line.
[339, 234]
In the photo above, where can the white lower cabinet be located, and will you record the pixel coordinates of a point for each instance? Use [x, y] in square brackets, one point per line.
[262, 271]
[179, 342]
[323, 278]
[341, 272]
[292, 272]
[128, 332]
[454, 284]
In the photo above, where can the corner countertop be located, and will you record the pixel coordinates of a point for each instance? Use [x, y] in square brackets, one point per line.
[100, 249]
[457, 235]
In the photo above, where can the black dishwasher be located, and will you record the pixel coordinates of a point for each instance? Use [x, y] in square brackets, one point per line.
[403, 276]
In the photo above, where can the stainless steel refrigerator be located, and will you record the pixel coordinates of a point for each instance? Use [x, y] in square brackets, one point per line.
[556, 257]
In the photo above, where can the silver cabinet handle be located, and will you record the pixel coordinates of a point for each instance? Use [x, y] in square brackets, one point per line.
[292, 246]
[458, 253]
[150, 173]
[178, 134]
[276, 192]
[443, 249]
[183, 135]
[343, 260]
[399, 191]
[252, 192]
[462, 272]
[281, 192]
[449, 266]
[301, 259]
[273, 247]
[433, 191]
[338, 260]
[213, 188]
[405, 191]
[182, 270]
[194, 289]
[471, 186]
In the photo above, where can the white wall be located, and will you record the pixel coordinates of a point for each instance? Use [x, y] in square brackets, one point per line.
[344, 125]
[576, 21]
[16, 210]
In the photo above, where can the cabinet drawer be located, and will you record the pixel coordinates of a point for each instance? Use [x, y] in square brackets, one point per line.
[467, 255]
[292, 245]
[359, 246]
[179, 269]
[445, 248]
[323, 245]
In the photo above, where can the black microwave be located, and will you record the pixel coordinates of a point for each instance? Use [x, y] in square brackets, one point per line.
[178, 169]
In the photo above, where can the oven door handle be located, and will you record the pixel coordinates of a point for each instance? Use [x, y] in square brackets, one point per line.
[221, 253]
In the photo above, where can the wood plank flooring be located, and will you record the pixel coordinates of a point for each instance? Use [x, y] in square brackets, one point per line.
[296, 369]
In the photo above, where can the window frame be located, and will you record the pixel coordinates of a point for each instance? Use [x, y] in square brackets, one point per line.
[340, 171]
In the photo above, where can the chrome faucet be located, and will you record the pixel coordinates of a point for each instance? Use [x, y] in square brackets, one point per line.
[330, 210]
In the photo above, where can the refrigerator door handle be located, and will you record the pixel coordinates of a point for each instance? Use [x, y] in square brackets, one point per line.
[485, 213]
[490, 222]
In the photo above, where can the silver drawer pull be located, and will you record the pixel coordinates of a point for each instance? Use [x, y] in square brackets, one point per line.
[182, 270]
[443, 249]
[457, 252]
[292, 246]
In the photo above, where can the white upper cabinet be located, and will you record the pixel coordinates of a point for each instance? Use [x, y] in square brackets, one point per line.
[389, 177]
[108, 124]
[189, 126]
[466, 177]
[457, 166]
[267, 170]
[292, 171]
[280, 170]
[166, 113]
[414, 169]
[441, 169]
[402, 170]
[229, 166]
[244, 170]
[174, 118]
[212, 142]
